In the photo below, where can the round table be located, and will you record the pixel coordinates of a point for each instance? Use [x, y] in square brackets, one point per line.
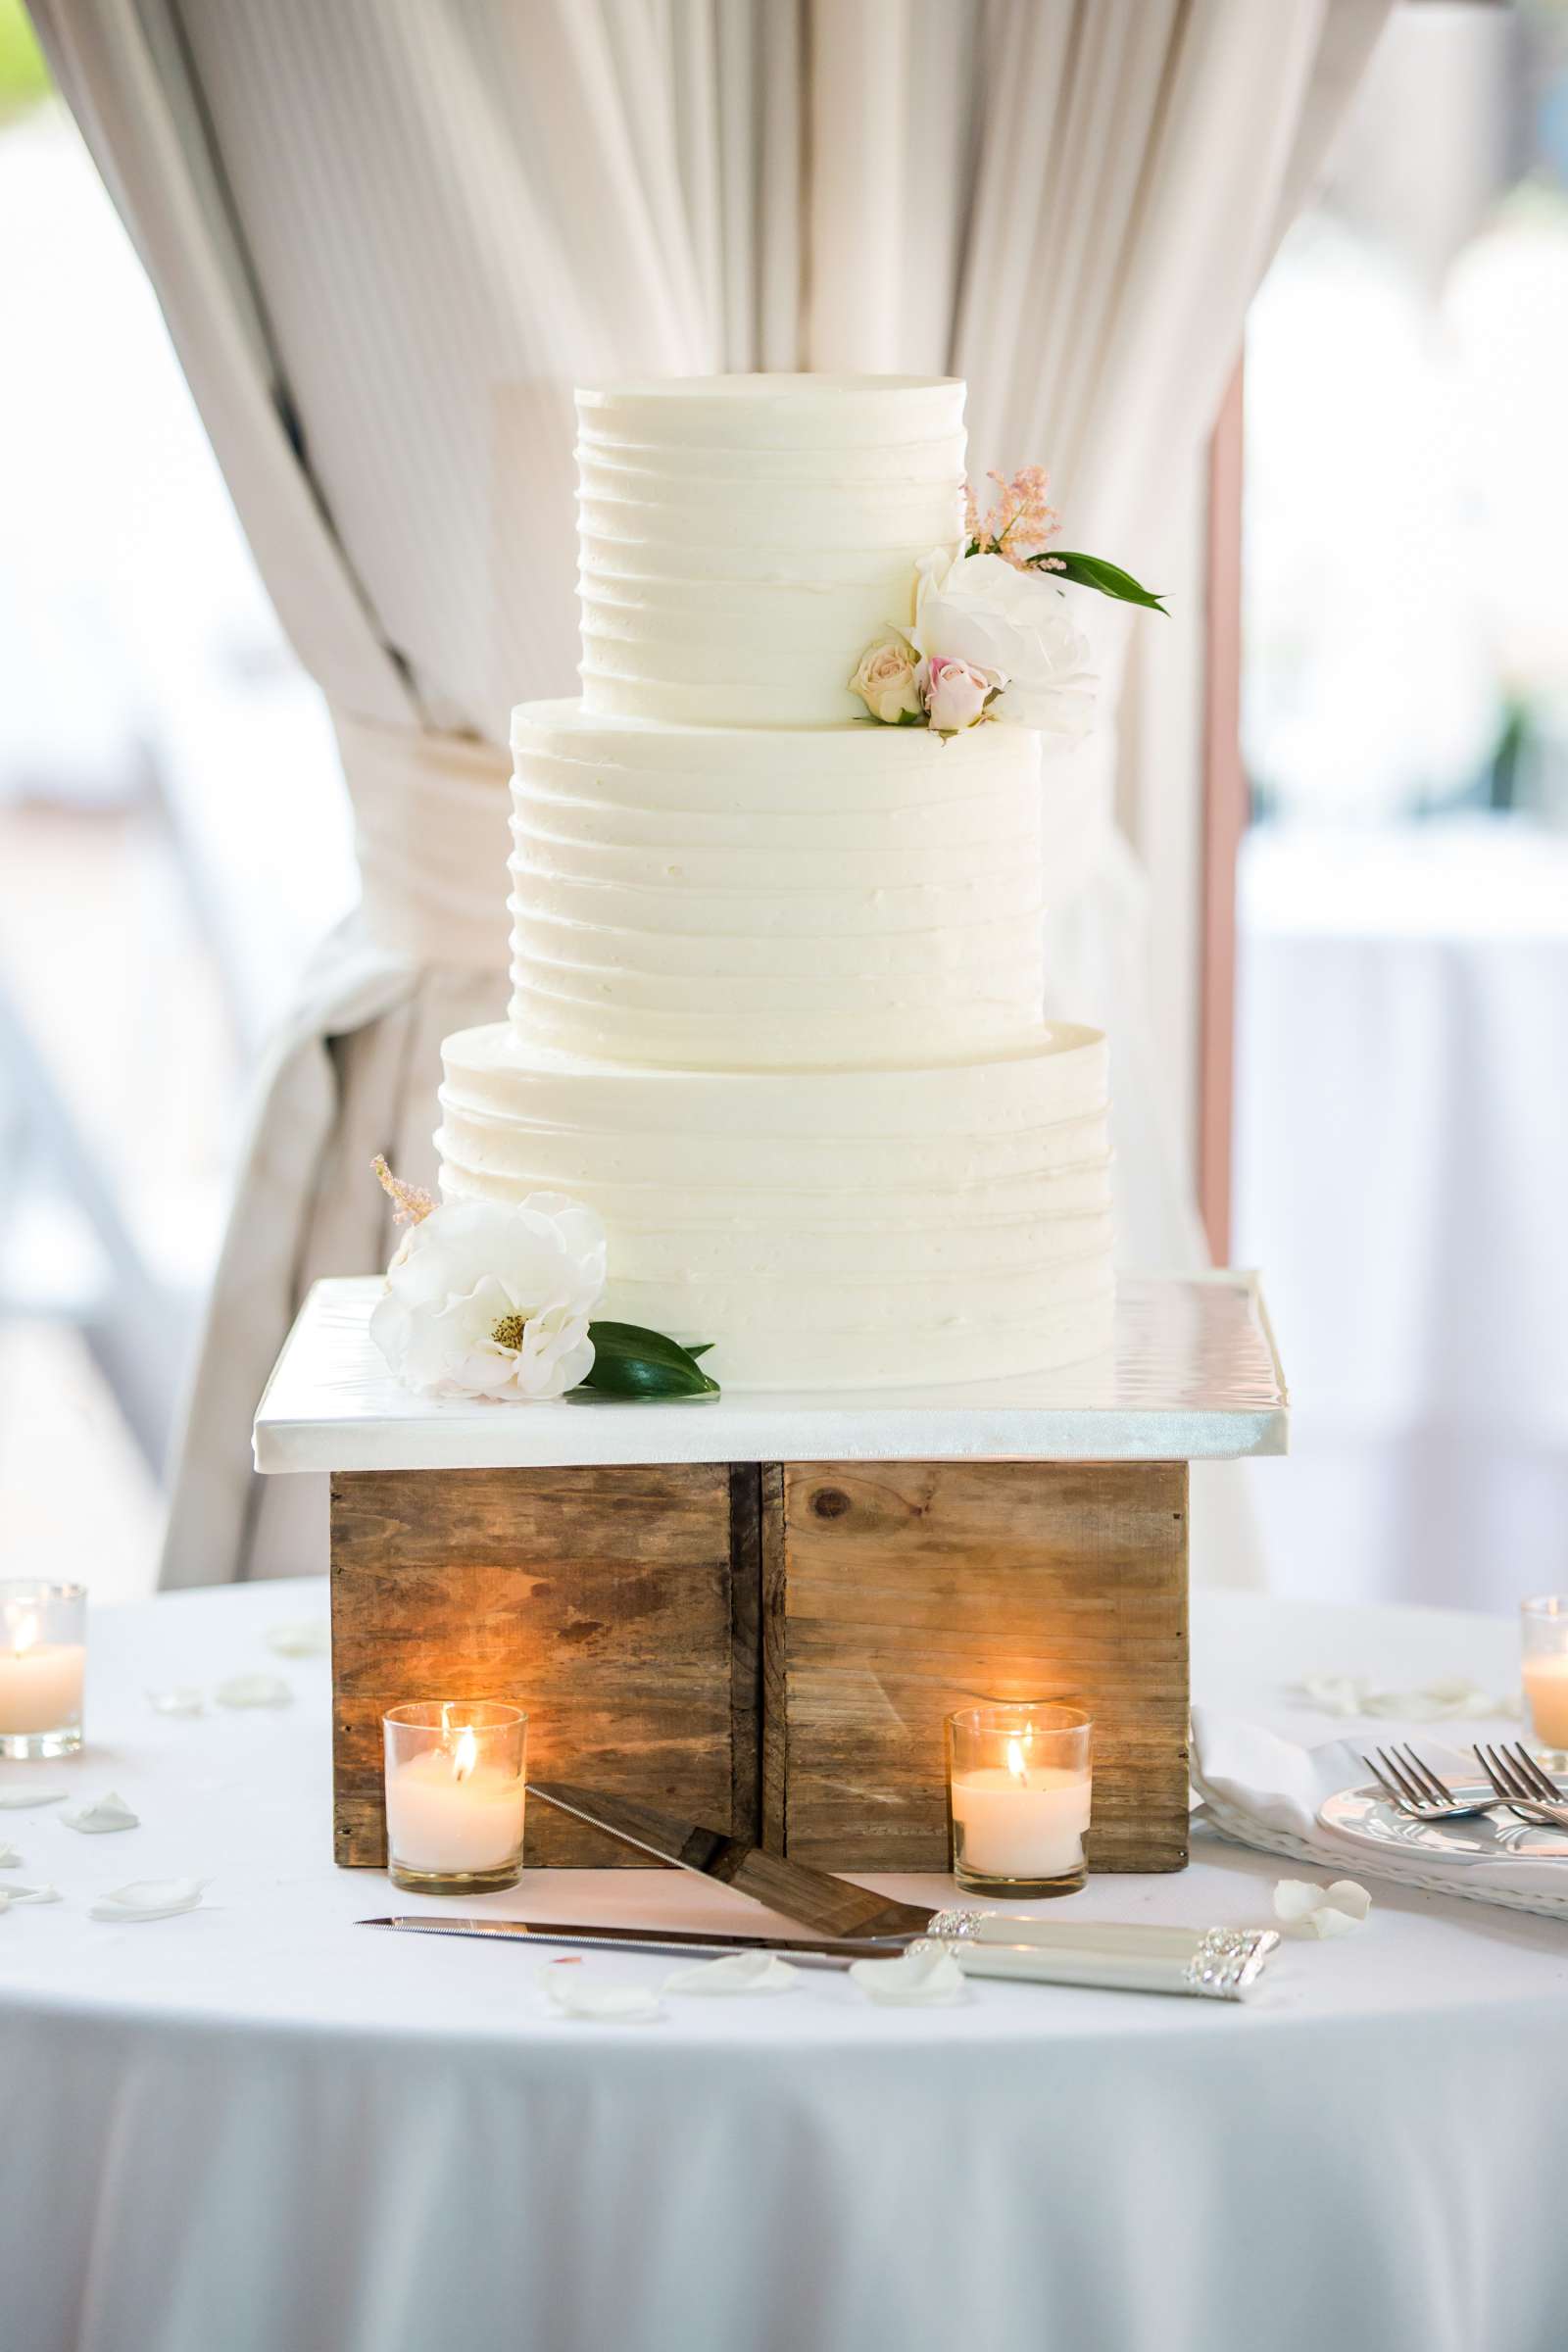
[261, 2127]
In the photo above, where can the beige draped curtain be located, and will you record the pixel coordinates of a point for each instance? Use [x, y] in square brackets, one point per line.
[390, 235]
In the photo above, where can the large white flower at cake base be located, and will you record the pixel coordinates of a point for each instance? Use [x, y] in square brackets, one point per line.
[491, 1299]
[984, 610]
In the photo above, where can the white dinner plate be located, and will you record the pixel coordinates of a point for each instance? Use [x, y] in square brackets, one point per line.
[1366, 1815]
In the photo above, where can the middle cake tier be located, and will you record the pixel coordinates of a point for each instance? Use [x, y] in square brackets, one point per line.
[720, 898]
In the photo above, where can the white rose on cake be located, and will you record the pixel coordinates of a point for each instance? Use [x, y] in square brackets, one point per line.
[485, 1299]
[1012, 626]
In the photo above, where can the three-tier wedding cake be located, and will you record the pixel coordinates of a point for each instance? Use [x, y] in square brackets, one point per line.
[777, 969]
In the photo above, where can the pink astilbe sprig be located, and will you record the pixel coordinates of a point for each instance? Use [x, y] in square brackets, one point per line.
[413, 1203]
[1018, 524]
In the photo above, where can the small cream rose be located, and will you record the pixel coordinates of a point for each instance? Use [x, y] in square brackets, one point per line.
[886, 681]
[955, 693]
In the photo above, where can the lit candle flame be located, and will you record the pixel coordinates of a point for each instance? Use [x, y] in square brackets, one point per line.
[24, 1631]
[1015, 1762]
[466, 1755]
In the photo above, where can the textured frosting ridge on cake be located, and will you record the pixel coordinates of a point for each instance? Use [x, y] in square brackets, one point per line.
[722, 899]
[777, 977]
[828, 1229]
[743, 537]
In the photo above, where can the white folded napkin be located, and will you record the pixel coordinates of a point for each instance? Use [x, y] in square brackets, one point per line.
[1261, 1790]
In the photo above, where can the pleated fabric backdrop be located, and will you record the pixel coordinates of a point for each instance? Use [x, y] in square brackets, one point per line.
[389, 236]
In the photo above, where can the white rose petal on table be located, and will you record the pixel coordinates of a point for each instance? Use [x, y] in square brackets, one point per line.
[926, 1977]
[1306, 1909]
[182, 1699]
[254, 1690]
[149, 1899]
[95, 1815]
[736, 1972]
[10, 1856]
[30, 1895]
[16, 1799]
[1454, 1696]
[574, 1995]
[311, 1638]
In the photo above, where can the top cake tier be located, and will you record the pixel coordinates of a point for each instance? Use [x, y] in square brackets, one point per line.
[745, 537]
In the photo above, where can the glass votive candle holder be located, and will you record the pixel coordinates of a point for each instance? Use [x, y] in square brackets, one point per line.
[1018, 1792]
[43, 1664]
[454, 1791]
[1543, 1632]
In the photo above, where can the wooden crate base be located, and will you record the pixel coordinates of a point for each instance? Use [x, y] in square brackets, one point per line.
[770, 1648]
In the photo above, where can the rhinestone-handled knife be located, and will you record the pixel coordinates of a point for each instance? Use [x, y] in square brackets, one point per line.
[1221, 1964]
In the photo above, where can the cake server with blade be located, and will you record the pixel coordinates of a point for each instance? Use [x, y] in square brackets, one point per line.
[828, 1905]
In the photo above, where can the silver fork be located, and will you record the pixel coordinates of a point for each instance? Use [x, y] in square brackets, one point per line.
[1522, 1784]
[1414, 1788]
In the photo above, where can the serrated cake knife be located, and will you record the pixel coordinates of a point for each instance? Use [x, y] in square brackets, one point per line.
[814, 1898]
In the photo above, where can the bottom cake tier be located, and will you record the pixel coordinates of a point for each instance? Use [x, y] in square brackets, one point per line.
[824, 1229]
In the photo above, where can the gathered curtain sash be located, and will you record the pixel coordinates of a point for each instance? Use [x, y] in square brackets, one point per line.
[430, 815]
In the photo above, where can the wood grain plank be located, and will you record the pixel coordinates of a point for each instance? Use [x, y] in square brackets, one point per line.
[599, 1599]
[746, 1649]
[912, 1588]
[773, 1685]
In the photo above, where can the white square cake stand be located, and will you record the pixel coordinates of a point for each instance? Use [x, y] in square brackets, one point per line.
[1194, 1376]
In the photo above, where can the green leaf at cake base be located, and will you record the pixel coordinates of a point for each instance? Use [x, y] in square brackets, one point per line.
[629, 1361]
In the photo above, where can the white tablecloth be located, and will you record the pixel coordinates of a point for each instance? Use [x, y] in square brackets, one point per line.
[261, 2128]
[1401, 1175]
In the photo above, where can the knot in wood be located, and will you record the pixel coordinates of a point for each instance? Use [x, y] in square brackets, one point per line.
[831, 1503]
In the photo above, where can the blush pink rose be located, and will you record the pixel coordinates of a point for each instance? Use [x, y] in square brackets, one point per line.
[955, 693]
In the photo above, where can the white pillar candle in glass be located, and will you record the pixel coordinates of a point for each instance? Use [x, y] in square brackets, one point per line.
[454, 1795]
[1018, 1792]
[43, 1660]
[1543, 1627]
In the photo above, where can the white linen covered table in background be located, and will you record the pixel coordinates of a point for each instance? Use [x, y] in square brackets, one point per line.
[1401, 1131]
[263, 2128]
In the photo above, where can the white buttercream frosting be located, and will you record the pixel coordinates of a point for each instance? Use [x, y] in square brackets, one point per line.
[777, 976]
[744, 537]
[825, 1229]
[717, 898]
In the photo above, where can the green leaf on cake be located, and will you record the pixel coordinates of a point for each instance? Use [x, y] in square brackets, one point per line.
[631, 1362]
[1093, 571]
